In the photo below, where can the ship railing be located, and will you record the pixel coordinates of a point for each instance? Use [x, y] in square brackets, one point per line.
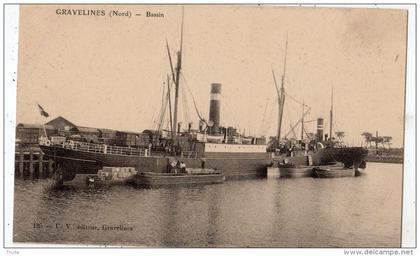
[189, 154]
[104, 149]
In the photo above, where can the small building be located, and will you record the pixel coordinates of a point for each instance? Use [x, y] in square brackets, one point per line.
[154, 133]
[27, 134]
[83, 131]
[132, 139]
[143, 140]
[125, 139]
[62, 125]
[107, 136]
[158, 136]
[86, 134]
[260, 141]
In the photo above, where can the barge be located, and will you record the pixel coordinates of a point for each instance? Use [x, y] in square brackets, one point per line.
[335, 171]
[153, 180]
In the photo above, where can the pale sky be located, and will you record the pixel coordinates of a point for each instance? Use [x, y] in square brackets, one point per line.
[109, 72]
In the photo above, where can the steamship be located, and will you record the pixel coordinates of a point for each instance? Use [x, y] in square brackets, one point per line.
[208, 148]
[237, 160]
[308, 152]
[212, 146]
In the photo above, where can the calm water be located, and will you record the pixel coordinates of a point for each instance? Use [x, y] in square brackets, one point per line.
[361, 211]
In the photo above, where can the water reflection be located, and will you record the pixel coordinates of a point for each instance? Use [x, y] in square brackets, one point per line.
[348, 212]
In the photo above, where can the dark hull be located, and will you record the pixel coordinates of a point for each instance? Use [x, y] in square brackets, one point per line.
[70, 162]
[304, 171]
[334, 172]
[350, 157]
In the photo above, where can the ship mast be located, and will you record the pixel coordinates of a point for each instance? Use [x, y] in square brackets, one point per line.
[281, 96]
[169, 103]
[303, 120]
[331, 113]
[178, 73]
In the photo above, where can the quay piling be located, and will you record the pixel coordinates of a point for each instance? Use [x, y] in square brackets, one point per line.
[41, 172]
[33, 164]
[50, 167]
[21, 157]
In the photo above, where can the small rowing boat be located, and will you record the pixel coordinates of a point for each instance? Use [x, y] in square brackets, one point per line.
[334, 171]
[202, 176]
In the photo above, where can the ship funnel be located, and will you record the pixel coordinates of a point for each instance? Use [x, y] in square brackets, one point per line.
[214, 113]
[320, 129]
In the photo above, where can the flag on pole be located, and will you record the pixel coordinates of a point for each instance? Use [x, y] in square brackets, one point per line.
[42, 111]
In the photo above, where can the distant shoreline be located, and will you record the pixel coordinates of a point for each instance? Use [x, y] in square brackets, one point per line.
[385, 159]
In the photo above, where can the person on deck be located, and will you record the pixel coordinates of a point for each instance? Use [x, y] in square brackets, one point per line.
[173, 166]
[150, 148]
[178, 167]
[203, 163]
[183, 167]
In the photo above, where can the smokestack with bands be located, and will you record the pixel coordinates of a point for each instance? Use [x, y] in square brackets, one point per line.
[214, 113]
[320, 129]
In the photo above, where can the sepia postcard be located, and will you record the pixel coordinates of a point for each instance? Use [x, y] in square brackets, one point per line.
[210, 126]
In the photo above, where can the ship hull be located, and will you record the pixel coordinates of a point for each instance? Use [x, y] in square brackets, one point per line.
[234, 166]
[350, 157]
[304, 171]
[71, 162]
[334, 172]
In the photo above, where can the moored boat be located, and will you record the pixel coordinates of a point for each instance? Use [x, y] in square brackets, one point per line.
[295, 172]
[152, 179]
[302, 165]
[335, 171]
